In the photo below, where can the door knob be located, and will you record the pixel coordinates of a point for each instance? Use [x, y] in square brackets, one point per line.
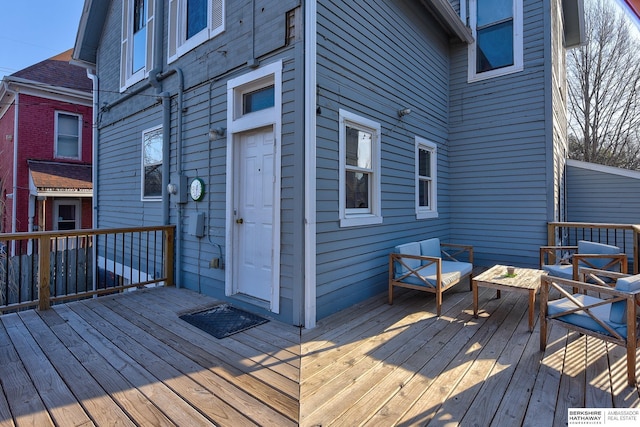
[239, 221]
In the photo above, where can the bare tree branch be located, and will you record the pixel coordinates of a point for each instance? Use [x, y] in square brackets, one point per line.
[604, 89]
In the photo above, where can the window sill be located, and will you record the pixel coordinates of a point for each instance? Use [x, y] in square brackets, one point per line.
[359, 220]
[426, 215]
[477, 77]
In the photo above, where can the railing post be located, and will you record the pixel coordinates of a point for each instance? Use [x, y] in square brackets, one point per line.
[551, 241]
[169, 244]
[44, 272]
[551, 234]
[636, 235]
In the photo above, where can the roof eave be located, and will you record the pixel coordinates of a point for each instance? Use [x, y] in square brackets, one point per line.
[448, 17]
[574, 33]
[94, 14]
[20, 83]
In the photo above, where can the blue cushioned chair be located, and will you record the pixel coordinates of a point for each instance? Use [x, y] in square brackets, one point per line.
[608, 313]
[564, 261]
[429, 266]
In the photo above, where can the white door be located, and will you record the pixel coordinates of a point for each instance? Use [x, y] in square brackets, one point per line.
[253, 213]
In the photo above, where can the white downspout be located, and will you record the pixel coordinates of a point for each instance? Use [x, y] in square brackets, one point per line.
[94, 168]
[16, 112]
[310, 28]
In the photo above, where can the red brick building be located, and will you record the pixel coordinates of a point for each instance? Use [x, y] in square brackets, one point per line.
[46, 147]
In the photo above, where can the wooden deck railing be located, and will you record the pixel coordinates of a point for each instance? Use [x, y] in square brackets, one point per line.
[38, 269]
[624, 236]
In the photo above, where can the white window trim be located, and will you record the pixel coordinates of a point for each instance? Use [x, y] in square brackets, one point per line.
[423, 212]
[127, 78]
[142, 176]
[55, 148]
[352, 218]
[65, 202]
[178, 45]
[518, 46]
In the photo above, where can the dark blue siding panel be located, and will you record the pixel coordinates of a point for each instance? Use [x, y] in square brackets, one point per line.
[375, 58]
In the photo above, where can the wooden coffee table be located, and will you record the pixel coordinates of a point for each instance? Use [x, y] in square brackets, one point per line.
[525, 280]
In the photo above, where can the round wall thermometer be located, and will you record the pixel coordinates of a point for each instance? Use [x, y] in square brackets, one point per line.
[196, 190]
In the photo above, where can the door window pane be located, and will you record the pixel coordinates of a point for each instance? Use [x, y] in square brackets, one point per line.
[258, 100]
[66, 217]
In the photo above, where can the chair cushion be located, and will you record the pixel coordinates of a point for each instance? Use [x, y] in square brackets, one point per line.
[452, 272]
[564, 271]
[411, 248]
[619, 308]
[581, 318]
[586, 247]
[430, 247]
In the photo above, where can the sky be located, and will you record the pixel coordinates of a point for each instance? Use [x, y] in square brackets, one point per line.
[35, 30]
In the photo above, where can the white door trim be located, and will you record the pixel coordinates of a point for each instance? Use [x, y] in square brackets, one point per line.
[237, 123]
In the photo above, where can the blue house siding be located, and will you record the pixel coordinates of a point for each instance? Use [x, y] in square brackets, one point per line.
[206, 70]
[374, 59]
[502, 165]
[500, 142]
[604, 194]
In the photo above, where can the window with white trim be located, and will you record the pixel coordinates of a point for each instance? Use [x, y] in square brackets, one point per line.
[152, 164]
[497, 31]
[68, 130]
[426, 179]
[359, 180]
[191, 23]
[66, 214]
[136, 58]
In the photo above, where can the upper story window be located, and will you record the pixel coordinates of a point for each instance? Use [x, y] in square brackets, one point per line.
[68, 142]
[426, 179]
[136, 57]
[191, 23]
[359, 179]
[497, 31]
[152, 164]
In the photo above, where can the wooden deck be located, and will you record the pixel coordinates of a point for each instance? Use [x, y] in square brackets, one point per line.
[129, 360]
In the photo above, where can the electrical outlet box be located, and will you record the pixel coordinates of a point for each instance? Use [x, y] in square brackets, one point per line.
[214, 263]
[178, 188]
[196, 224]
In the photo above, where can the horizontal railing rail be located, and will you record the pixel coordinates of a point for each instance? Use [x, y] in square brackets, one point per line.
[624, 236]
[43, 268]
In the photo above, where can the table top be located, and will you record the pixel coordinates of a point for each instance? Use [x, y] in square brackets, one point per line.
[525, 278]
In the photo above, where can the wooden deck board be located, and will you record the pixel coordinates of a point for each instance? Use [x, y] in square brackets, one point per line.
[128, 358]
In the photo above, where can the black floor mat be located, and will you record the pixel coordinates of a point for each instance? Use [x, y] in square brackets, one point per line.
[223, 320]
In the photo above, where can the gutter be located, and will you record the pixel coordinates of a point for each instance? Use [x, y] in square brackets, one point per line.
[39, 86]
[14, 195]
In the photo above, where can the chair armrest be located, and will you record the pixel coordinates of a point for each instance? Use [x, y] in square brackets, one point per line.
[461, 249]
[548, 282]
[548, 254]
[597, 276]
[410, 271]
